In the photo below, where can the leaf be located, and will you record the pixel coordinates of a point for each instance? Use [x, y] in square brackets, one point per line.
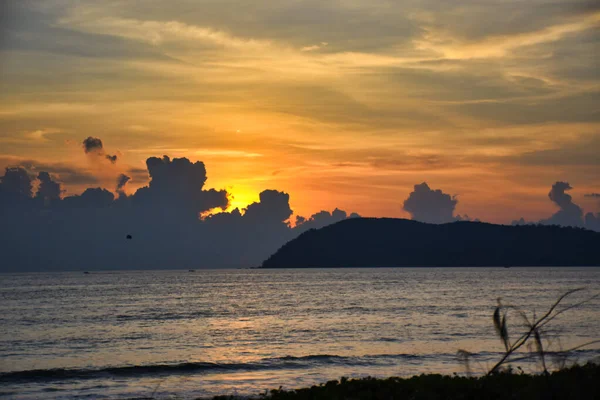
[504, 333]
[497, 323]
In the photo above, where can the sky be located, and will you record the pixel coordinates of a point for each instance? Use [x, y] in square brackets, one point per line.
[347, 103]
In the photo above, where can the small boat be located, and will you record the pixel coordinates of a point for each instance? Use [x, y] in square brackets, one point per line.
[191, 270]
[85, 272]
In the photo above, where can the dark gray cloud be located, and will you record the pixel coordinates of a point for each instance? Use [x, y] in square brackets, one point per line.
[432, 206]
[94, 146]
[273, 206]
[321, 219]
[48, 189]
[592, 221]
[122, 181]
[64, 173]
[88, 231]
[520, 221]
[570, 214]
[15, 185]
[91, 198]
[177, 186]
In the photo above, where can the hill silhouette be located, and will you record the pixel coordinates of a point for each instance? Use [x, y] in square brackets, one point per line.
[388, 242]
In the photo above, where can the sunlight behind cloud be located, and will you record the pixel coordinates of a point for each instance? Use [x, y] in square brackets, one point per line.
[335, 103]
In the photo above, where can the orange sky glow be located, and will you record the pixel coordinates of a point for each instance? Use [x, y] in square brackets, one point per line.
[343, 104]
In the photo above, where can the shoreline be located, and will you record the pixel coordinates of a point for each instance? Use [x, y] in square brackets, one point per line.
[575, 382]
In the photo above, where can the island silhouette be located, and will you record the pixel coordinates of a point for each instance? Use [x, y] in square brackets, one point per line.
[389, 242]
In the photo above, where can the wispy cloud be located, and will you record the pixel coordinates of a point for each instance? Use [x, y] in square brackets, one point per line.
[226, 153]
[315, 46]
[159, 32]
[337, 96]
[447, 45]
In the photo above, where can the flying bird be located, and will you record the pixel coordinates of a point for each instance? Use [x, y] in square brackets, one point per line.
[128, 236]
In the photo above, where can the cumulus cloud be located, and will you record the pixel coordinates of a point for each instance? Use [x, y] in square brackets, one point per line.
[88, 230]
[176, 186]
[465, 217]
[274, 206]
[15, 185]
[90, 198]
[592, 221]
[321, 219]
[64, 173]
[520, 221]
[48, 189]
[432, 206]
[570, 214]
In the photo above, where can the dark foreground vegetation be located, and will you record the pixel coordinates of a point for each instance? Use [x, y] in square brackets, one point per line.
[578, 382]
[500, 382]
[389, 242]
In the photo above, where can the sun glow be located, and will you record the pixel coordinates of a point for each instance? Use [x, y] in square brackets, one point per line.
[238, 198]
[241, 198]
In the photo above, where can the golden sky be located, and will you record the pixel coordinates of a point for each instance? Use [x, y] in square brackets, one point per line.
[344, 103]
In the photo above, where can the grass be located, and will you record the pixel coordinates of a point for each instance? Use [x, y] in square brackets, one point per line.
[534, 332]
[577, 382]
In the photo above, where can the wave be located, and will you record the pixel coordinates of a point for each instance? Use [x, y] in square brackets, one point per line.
[275, 363]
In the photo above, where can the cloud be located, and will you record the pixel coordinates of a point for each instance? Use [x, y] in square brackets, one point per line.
[64, 173]
[177, 187]
[432, 206]
[15, 185]
[122, 181]
[157, 32]
[88, 230]
[94, 146]
[315, 46]
[492, 46]
[321, 219]
[263, 227]
[520, 221]
[570, 214]
[48, 189]
[93, 198]
[274, 206]
[592, 221]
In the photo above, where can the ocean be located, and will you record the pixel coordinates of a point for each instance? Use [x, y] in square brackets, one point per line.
[189, 334]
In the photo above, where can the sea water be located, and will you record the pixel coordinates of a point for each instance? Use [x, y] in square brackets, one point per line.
[190, 334]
